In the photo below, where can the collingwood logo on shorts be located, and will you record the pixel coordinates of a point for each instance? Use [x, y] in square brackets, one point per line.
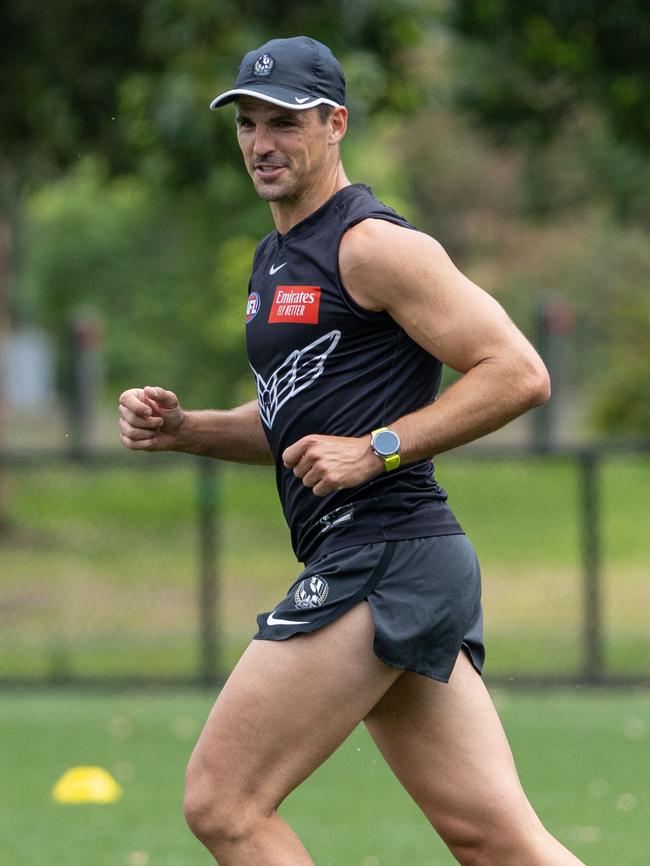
[311, 592]
[297, 372]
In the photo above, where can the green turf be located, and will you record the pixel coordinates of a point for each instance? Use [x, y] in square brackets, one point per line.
[582, 758]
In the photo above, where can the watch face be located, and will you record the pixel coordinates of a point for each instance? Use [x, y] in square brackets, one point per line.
[386, 443]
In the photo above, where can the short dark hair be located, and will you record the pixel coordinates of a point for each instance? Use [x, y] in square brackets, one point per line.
[325, 111]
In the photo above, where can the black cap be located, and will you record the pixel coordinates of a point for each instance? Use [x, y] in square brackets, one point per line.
[295, 73]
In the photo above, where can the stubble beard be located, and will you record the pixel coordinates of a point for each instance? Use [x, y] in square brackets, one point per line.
[272, 193]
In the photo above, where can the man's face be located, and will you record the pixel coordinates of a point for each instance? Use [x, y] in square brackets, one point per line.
[284, 150]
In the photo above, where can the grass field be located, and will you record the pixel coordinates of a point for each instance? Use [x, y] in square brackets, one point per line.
[98, 574]
[583, 758]
[98, 577]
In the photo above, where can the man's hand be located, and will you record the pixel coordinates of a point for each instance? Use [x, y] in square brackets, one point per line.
[329, 463]
[150, 419]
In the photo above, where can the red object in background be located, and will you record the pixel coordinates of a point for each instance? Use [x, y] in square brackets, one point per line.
[89, 332]
[559, 316]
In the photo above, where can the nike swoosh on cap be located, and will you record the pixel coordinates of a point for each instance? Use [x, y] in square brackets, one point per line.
[272, 620]
[301, 98]
[274, 270]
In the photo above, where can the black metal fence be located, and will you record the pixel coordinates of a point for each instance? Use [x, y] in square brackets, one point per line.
[120, 568]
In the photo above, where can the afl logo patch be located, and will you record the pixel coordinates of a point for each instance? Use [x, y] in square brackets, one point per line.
[252, 306]
[263, 65]
[311, 592]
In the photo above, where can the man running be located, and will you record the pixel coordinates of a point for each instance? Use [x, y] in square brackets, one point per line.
[350, 314]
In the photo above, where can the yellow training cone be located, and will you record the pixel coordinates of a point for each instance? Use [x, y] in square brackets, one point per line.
[86, 785]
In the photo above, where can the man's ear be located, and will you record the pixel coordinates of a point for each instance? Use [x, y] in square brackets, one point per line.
[338, 124]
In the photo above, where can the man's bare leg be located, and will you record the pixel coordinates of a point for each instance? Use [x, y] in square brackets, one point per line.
[286, 706]
[446, 745]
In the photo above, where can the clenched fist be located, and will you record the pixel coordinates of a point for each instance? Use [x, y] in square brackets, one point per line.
[328, 463]
[150, 419]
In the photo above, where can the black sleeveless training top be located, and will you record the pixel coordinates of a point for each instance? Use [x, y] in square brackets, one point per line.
[323, 364]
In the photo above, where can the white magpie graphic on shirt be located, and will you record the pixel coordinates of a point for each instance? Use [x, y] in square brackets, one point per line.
[297, 372]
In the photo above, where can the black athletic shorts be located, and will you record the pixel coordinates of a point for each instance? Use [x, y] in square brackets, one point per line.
[424, 595]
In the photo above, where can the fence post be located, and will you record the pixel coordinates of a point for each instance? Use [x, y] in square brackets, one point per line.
[593, 658]
[84, 375]
[554, 319]
[208, 579]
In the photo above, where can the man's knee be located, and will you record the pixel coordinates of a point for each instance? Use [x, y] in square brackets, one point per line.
[485, 847]
[473, 854]
[467, 842]
[508, 843]
[215, 810]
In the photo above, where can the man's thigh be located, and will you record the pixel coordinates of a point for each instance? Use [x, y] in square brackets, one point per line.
[286, 706]
[447, 746]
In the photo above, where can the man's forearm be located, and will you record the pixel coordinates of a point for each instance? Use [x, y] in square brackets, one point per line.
[486, 398]
[233, 434]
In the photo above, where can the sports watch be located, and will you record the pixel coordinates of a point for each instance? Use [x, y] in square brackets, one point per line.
[386, 444]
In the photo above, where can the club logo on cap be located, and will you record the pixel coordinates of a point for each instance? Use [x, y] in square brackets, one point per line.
[263, 65]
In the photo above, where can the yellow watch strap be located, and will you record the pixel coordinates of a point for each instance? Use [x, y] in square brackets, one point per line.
[391, 462]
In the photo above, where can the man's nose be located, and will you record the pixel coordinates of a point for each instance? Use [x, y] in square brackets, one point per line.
[263, 141]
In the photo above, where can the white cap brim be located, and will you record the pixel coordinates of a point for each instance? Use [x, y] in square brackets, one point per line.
[282, 97]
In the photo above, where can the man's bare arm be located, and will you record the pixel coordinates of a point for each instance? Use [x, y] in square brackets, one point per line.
[411, 276]
[151, 419]
[387, 267]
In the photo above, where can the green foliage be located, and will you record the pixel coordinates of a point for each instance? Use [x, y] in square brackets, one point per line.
[606, 273]
[532, 63]
[146, 260]
[623, 406]
[60, 65]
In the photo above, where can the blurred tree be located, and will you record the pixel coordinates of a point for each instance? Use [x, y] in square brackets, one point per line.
[537, 71]
[567, 85]
[535, 62]
[172, 302]
[60, 65]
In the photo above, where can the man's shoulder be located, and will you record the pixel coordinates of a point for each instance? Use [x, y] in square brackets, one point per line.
[376, 256]
[371, 238]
